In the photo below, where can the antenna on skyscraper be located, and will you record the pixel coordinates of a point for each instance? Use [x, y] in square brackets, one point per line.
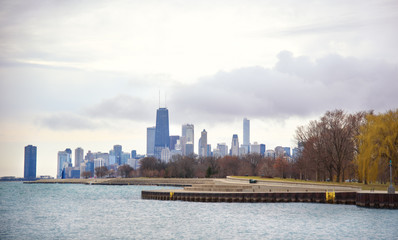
[159, 98]
[165, 105]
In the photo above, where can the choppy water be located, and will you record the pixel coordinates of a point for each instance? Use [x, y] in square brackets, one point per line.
[61, 211]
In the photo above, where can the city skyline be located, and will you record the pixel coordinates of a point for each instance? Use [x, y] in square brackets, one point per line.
[279, 64]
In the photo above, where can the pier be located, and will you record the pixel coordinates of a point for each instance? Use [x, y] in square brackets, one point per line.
[232, 190]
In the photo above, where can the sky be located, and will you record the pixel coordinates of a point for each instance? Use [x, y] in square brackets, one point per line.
[89, 73]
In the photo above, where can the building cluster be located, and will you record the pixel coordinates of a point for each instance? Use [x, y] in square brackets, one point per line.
[160, 144]
[112, 160]
[163, 146]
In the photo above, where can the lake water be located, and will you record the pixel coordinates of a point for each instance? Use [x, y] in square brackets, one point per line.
[62, 211]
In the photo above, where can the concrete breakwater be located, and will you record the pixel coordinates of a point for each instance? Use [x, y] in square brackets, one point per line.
[374, 200]
[177, 182]
[238, 190]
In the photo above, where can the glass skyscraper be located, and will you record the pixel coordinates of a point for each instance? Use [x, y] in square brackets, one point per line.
[117, 150]
[246, 135]
[150, 141]
[235, 145]
[162, 137]
[30, 162]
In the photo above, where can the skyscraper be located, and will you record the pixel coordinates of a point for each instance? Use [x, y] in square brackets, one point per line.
[63, 161]
[117, 150]
[203, 144]
[30, 162]
[188, 132]
[162, 137]
[255, 148]
[150, 141]
[246, 135]
[223, 149]
[262, 149]
[173, 142]
[79, 153]
[235, 145]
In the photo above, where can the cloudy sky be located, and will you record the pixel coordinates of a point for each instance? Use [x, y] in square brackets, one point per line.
[88, 73]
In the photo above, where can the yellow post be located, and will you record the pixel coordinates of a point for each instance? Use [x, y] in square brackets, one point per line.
[330, 196]
[171, 195]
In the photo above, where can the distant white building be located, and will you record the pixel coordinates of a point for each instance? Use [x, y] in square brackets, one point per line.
[270, 153]
[79, 153]
[246, 136]
[242, 150]
[99, 162]
[279, 151]
[235, 145]
[222, 149]
[187, 135]
[255, 148]
[134, 163]
[165, 155]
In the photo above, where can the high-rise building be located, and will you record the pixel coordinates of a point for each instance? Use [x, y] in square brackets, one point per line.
[150, 141]
[165, 155]
[287, 151]
[209, 153]
[188, 131]
[222, 149]
[246, 135]
[63, 161]
[270, 153]
[279, 151]
[173, 142]
[235, 145]
[255, 148]
[30, 162]
[133, 154]
[189, 149]
[79, 153]
[117, 149]
[124, 158]
[262, 149]
[162, 137]
[296, 153]
[203, 144]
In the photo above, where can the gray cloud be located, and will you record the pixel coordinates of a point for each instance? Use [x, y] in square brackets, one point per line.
[295, 86]
[121, 107]
[67, 121]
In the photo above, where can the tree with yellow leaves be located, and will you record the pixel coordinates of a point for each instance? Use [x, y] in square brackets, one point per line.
[378, 144]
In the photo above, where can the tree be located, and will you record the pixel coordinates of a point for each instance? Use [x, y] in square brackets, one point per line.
[152, 167]
[378, 143]
[265, 167]
[229, 166]
[125, 170]
[86, 174]
[101, 172]
[280, 166]
[329, 144]
[253, 160]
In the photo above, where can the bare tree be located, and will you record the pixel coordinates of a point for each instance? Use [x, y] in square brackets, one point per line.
[86, 174]
[101, 172]
[125, 171]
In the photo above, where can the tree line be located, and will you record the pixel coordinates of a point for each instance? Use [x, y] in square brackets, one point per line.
[193, 167]
[342, 146]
